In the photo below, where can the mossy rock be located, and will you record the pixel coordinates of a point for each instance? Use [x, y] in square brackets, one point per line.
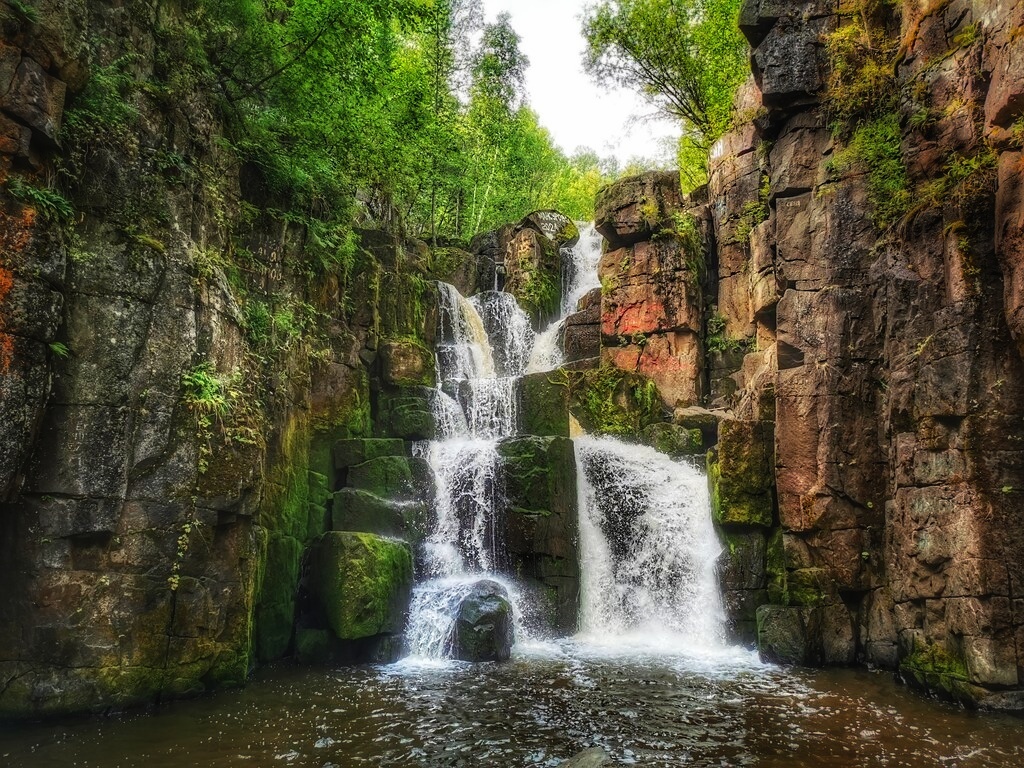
[389, 477]
[673, 440]
[358, 510]
[544, 405]
[483, 624]
[406, 363]
[782, 636]
[741, 474]
[363, 583]
[348, 453]
[933, 668]
[406, 414]
[611, 401]
[275, 610]
[313, 646]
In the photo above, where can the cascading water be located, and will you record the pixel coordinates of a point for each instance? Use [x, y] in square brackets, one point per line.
[484, 344]
[648, 549]
[579, 277]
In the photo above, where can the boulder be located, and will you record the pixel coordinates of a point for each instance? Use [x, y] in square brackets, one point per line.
[555, 226]
[455, 267]
[674, 440]
[634, 209]
[406, 414]
[581, 335]
[36, 98]
[782, 634]
[483, 628]
[347, 453]
[358, 510]
[361, 582]
[541, 523]
[406, 363]
[533, 274]
[544, 404]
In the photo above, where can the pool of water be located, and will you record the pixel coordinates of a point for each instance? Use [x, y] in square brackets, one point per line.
[549, 702]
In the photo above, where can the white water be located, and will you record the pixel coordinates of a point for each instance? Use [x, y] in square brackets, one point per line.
[647, 550]
[647, 544]
[484, 344]
[579, 277]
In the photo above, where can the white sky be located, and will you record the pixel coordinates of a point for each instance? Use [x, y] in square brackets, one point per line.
[575, 110]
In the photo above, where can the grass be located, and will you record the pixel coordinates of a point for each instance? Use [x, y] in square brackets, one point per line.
[50, 203]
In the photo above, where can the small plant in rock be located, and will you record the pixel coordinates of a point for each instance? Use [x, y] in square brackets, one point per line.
[59, 349]
[49, 202]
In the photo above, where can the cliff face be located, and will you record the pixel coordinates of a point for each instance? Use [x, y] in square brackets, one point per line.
[176, 361]
[865, 310]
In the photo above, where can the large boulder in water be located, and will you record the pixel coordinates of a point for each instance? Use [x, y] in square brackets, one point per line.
[483, 626]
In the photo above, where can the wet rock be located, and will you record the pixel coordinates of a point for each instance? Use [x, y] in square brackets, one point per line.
[358, 510]
[541, 525]
[741, 473]
[456, 267]
[406, 363]
[674, 440]
[533, 274]
[582, 334]
[483, 626]
[406, 414]
[361, 582]
[782, 634]
[352, 451]
[588, 758]
[544, 399]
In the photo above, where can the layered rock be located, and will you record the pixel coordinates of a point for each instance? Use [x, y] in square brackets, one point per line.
[483, 628]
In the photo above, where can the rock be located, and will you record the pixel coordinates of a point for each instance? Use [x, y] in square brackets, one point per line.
[533, 274]
[581, 335]
[456, 267]
[588, 758]
[362, 583]
[483, 626]
[634, 209]
[406, 414]
[347, 453]
[556, 227]
[789, 63]
[358, 510]
[544, 401]
[388, 477]
[741, 474]
[36, 98]
[674, 440]
[541, 524]
[406, 363]
[782, 635]
[612, 401]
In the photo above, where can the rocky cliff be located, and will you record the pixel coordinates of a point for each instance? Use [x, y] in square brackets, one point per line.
[861, 340]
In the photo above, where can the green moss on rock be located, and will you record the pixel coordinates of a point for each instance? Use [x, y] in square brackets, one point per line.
[357, 510]
[611, 401]
[741, 474]
[348, 453]
[406, 362]
[545, 405]
[389, 477]
[275, 612]
[363, 583]
[673, 439]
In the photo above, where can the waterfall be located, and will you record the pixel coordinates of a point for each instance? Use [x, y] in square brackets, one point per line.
[579, 277]
[484, 343]
[648, 549]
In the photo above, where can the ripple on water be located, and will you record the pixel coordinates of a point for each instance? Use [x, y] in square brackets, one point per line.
[549, 701]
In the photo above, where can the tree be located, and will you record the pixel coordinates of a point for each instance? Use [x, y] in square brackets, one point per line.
[687, 56]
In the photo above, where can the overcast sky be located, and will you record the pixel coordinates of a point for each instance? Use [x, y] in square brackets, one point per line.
[577, 112]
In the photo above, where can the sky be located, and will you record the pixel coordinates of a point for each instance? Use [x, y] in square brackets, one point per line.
[575, 110]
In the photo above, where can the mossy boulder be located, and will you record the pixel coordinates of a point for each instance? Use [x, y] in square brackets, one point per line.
[782, 634]
[611, 401]
[389, 477]
[347, 453]
[544, 400]
[406, 414]
[455, 267]
[362, 582]
[275, 612]
[674, 440]
[483, 628]
[637, 208]
[541, 522]
[741, 474]
[313, 646]
[358, 510]
[406, 363]
[932, 667]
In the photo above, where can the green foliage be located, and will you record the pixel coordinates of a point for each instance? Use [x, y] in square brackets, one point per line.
[687, 230]
[204, 392]
[687, 56]
[59, 349]
[875, 146]
[717, 340]
[611, 401]
[104, 104]
[22, 11]
[49, 202]
[862, 79]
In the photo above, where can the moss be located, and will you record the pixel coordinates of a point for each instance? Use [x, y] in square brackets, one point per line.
[673, 440]
[384, 476]
[275, 612]
[313, 646]
[740, 474]
[363, 583]
[544, 405]
[407, 362]
[775, 567]
[611, 401]
[535, 470]
[934, 668]
[352, 451]
[876, 146]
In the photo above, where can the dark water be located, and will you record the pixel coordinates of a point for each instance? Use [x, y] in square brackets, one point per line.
[537, 710]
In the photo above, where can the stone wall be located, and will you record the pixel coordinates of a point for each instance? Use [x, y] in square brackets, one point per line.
[871, 324]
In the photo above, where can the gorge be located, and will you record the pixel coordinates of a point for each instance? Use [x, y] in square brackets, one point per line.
[694, 482]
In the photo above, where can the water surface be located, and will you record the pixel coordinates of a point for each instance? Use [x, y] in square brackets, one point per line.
[546, 704]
